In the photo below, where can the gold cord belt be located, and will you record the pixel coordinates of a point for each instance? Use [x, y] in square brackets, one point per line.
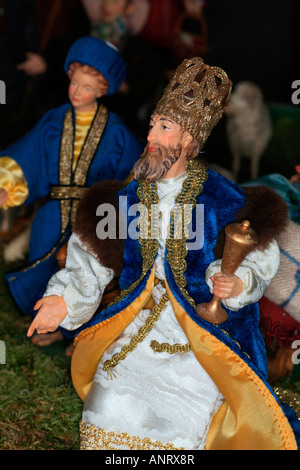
[170, 348]
[140, 336]
[67, 192]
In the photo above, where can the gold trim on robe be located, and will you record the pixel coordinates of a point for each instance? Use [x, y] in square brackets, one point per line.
[250, 418]
[77, 178]
[93, 342]
[93, 438]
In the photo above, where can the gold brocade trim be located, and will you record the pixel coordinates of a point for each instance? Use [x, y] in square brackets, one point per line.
[249, 405]
[90, 146]
[149, 226]
[289, 398]
[68, 192]
[170, 348]
[93, 438]
[67, 177]
[79, 175]
[65, 165]
[139, 337]
[149, 246]
[176, 243]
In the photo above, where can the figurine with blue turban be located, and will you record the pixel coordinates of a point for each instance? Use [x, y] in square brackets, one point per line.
[69, 149]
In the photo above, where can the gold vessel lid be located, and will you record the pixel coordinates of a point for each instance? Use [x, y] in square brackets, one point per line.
[242, 233]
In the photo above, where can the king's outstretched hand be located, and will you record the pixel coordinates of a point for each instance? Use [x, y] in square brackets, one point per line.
[52, 311]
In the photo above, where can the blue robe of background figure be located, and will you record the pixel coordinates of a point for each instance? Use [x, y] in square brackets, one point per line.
[69, 149]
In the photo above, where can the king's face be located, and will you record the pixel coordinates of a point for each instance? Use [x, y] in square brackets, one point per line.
[163, 131]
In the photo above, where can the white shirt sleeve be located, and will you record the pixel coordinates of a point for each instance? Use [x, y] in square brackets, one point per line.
[81, 284]
[256, 271]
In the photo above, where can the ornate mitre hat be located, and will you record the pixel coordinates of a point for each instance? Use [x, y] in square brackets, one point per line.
[196, 97]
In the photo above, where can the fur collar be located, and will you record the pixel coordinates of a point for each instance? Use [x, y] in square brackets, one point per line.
[265, 209]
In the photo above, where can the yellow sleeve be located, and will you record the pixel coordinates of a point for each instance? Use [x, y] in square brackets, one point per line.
[12, 179]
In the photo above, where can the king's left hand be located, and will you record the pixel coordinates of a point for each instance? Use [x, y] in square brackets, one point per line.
[226, 285]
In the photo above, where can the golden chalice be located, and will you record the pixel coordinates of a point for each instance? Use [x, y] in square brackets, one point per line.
[240, 240]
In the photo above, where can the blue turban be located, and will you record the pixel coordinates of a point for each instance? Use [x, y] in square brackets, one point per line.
[102, 56]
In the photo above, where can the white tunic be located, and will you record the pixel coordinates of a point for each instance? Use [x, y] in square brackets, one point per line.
[156, 395]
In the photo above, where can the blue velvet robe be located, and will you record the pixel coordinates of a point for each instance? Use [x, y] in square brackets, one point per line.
[216, 217]
[38, 154]
[240, 334]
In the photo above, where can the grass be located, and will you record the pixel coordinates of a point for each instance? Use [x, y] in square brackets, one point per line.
[39, 408]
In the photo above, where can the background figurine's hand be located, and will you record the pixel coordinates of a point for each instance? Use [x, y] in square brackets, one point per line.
[226, 285]
[34, 64]
[3, 196]
[296, 178]
[52, 311]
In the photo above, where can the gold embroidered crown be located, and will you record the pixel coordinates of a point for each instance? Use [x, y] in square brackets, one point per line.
[196, 97]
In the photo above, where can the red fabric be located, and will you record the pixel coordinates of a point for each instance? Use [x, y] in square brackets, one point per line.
[160, 24]
[275, 322]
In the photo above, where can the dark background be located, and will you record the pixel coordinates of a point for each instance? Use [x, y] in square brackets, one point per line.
[257, 40]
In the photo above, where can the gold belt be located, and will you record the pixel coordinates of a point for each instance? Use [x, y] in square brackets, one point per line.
[67, 192]
[140, 336]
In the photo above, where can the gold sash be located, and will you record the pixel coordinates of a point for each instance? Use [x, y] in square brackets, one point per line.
[69, 178]
[78, 178]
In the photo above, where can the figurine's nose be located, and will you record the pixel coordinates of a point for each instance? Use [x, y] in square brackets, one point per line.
[151, 135]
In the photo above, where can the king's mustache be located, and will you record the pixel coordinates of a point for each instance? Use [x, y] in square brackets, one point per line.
[154, 165]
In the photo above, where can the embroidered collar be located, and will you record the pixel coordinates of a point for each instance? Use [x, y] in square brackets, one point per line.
[149, 216]
[149, 227]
